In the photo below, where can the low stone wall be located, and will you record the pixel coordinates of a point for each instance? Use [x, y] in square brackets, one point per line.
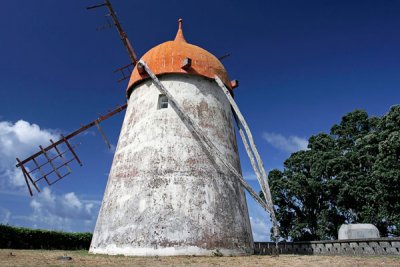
[372, 246]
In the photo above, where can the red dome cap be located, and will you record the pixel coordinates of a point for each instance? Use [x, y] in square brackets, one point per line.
[169, 57]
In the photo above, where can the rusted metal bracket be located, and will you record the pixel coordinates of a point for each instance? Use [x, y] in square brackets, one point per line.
[224, 56]
[105, 26]
[44, 162]
[234, 84]
[125, 72]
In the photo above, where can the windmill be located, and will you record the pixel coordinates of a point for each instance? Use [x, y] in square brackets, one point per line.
[175, 186]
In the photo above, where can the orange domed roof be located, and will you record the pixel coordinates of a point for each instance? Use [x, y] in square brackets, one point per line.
[169, 57]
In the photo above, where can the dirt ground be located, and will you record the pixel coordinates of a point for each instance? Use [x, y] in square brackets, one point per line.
[9, 257]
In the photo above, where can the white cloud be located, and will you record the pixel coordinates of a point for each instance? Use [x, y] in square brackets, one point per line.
[248, 176]
[4, 216]
[65, 212]
[261, 228]
[259, 219]
[251, 176]
[288, 144]
[19, 140]
[49, 210]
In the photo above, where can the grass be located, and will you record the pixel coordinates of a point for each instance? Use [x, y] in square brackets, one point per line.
[12, 257]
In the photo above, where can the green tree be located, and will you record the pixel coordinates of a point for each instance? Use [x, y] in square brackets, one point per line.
[351, 175]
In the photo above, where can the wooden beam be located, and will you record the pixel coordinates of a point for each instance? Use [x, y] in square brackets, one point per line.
[208, 144]
[252, 152]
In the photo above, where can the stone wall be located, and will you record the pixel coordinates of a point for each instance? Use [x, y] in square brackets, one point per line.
[371, 246]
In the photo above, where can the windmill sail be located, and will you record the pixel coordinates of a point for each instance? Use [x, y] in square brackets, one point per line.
[51, 163]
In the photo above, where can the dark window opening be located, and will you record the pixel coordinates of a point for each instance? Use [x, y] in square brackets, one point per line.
[162, 101]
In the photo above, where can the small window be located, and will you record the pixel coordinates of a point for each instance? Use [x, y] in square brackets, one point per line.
[162, 101]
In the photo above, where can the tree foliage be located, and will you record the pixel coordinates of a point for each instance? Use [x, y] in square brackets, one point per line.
[351, 175]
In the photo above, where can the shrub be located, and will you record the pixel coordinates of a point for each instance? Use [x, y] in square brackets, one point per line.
[25, 238]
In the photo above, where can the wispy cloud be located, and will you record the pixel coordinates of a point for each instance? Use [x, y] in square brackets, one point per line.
[250, 176]
[287, 144]
[4, 216]
[65, 212]
[259, 219]
[261, 228]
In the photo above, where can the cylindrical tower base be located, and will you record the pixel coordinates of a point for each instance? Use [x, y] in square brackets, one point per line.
[166, 195]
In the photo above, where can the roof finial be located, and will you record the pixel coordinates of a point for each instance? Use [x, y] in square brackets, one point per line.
[180, 23]
[179, 35]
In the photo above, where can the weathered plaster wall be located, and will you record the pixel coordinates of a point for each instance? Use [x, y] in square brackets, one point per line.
[165, 194]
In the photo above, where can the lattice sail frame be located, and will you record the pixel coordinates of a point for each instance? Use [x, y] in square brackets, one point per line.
[56, 157]
[50, 160]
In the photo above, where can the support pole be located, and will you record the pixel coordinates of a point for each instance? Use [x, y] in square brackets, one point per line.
[252, 152]
[212, 149]
[103, 135]
[252, 161]
[26, 179]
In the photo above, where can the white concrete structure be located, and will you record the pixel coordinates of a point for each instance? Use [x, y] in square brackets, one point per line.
[165, 194]
[356, 231]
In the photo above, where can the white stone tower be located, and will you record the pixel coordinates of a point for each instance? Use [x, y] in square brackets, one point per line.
[166, 195]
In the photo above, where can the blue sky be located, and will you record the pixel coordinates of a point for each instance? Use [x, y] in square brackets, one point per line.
[302, 65]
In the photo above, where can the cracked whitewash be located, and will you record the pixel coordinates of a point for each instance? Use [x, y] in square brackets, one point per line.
[165, 194]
